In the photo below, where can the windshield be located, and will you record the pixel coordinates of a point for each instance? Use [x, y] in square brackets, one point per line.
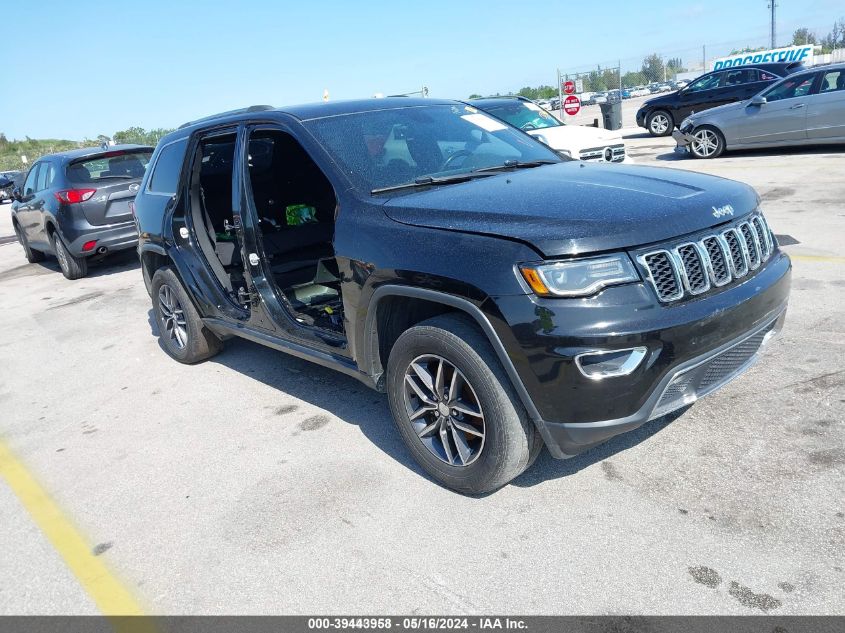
[523, 115]
[386, 148]
[708, 82]
[118, 165]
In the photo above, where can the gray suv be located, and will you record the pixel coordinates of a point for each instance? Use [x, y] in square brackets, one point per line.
[76, 205]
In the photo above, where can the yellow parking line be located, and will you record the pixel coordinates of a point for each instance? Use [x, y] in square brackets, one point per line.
[110, 596]
[819, 258]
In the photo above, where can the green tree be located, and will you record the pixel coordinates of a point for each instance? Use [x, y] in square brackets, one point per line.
[474, 96]
[803, 36]
[653, 68]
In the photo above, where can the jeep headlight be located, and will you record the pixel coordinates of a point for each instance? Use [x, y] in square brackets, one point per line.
[579, 277]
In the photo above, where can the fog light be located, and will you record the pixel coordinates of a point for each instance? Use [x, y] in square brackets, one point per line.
[88, 246]
[610, 363]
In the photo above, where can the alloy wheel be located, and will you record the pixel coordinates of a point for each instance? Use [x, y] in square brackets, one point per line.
[61, 255]
[173, 322]
[659, 123]
[706, 143]
[444, 410]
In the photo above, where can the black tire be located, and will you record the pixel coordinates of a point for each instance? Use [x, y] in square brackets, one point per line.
[510, 443]
[32, 256]
[199, 342]
[709, 142]
[72, 267]
[660, 123]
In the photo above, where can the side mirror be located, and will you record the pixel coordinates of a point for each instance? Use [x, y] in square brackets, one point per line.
[757, 100]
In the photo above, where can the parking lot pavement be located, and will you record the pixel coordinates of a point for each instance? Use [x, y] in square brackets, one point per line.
[258, 483]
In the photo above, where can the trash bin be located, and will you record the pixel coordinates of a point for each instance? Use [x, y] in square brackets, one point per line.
[611, 114]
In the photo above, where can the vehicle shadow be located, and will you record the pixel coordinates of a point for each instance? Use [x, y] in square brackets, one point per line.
[808, 150]
[111, 264]
[354, 403]
[547, 467]
[342, 396]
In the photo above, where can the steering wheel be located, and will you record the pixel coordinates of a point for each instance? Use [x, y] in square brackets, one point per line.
[527, 126]
[448, 161]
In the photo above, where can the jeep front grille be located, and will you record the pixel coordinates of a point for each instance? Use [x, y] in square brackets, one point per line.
[692, 268]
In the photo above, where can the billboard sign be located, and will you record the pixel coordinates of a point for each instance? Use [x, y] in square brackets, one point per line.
[787, 54]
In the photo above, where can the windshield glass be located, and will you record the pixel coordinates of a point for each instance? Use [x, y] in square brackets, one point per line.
[523, 115]
[117, 165]
[386, 148]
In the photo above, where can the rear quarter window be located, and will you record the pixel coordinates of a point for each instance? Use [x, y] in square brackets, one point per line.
[168, 168]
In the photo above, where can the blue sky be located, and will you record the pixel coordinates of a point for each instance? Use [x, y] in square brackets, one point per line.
[83, 68]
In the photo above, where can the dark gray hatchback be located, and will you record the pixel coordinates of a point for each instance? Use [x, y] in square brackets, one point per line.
[76, 205]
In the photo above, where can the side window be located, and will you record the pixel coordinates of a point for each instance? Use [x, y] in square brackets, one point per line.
[43, 175]
[767, 76]
[795, 86]
[168, 168]
[833, 80]
[739, 77]
[29, 185]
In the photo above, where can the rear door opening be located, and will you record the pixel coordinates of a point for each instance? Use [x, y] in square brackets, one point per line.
[215, 228]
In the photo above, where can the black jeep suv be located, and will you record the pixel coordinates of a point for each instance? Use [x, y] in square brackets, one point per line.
[76, 205]
[663, 114]
[503, 297]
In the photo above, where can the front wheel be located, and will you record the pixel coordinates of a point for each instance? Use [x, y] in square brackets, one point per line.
[181, 331]
[660, 123]
[456, 408]
[708, 142]
[72, 267]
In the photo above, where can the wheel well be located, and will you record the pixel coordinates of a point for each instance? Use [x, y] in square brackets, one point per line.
[395, 314]
[150, 263]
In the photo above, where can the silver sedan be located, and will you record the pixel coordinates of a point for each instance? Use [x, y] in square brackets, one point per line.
[807, 108]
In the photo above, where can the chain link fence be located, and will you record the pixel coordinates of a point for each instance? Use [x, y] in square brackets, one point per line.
[634, 80]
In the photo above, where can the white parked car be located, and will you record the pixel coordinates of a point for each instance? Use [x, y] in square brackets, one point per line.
[576, 141]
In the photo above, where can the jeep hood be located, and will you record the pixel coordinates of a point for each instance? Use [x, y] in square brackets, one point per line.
[575, 207]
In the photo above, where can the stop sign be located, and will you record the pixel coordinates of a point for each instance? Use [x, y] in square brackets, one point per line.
[568, 87]
[572, 105]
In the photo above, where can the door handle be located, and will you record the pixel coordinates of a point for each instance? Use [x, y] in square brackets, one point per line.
[796, 106]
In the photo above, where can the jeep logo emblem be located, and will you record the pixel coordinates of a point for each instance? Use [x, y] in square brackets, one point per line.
[719, 212]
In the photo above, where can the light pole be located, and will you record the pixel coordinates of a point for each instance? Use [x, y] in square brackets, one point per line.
[773, 6]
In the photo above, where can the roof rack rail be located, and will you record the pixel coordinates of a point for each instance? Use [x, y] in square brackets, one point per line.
[254, 108]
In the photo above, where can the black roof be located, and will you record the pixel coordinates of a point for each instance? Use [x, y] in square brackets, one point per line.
[87, 152]
[317, 110]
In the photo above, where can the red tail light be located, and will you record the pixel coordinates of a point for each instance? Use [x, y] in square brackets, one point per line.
[72, 196]
[89, 246]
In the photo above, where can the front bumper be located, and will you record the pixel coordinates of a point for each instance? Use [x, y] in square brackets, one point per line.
[544, 336]
[687, 383]
[683, 139]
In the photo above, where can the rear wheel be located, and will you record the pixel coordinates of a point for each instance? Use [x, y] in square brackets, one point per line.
[32, 256]
[708, 142]
[72, 267]
[456, 408]
[180, 328]
[660, 123]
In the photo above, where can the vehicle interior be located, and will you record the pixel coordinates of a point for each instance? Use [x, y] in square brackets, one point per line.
[211, 210]
[296, 208]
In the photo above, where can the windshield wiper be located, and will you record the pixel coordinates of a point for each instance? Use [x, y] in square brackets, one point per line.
[114, 176]
[516, 164]
[427, 181]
